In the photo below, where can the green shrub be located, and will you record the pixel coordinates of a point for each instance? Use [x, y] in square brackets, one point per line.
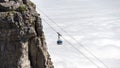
[22, 8]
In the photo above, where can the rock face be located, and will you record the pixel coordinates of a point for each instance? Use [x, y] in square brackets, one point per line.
[22, 41]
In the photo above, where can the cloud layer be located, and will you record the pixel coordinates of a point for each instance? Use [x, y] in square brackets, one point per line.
[94, 23]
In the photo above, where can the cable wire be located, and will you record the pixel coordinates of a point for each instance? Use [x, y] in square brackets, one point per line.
[73, 46]
[49, 25]
[75, 40]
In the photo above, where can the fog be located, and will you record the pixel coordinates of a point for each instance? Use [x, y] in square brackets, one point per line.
[93, 23]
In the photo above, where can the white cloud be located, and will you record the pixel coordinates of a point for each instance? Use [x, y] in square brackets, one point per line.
[107, 42]
[94, 23]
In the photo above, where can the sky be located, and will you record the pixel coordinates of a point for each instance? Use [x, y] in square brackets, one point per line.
[93, 23]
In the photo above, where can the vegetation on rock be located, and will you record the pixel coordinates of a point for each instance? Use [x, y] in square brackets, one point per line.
[22, 8]
[22, 41]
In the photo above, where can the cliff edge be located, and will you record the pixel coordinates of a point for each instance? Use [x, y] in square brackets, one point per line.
[22, 41]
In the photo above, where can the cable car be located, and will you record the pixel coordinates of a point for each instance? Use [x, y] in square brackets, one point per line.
[59, 41]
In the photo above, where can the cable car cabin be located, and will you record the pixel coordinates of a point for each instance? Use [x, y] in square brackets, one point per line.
[59, 42]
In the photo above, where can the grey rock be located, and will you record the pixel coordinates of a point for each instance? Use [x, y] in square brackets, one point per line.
[9, 6]
[22, 41]
[4, 0]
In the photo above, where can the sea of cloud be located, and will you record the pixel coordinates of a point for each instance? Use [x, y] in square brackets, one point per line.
[93, 23]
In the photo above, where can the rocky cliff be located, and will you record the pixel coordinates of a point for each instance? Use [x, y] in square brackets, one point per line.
[22, 41]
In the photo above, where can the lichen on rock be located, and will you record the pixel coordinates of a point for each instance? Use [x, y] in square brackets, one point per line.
[22, 41]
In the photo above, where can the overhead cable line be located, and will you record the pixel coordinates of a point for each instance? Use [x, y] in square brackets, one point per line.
[49, 25]
[74, 39]
[81, 52]
[73, 46]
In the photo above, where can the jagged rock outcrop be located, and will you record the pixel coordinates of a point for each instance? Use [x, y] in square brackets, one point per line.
[22, 41]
